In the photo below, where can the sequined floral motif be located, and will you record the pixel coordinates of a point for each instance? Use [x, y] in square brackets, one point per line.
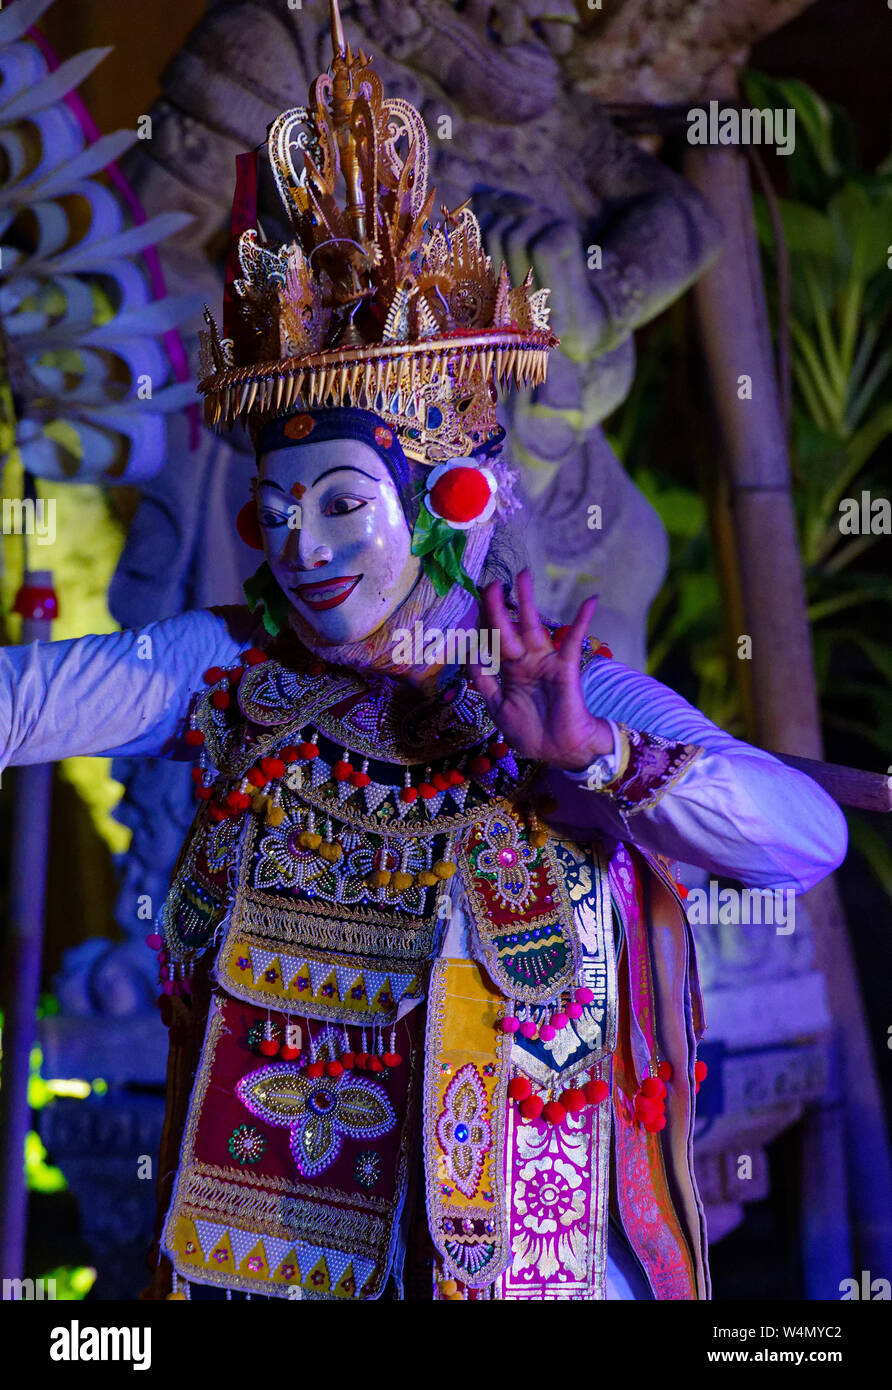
[463, 1130]
[506, 856]
[319, 1112]
[247, 1144]
[367, 1168]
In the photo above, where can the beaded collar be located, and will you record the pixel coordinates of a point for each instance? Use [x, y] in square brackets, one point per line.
[374, 752]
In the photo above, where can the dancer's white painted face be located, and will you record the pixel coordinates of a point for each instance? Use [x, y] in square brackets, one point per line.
[335, 536]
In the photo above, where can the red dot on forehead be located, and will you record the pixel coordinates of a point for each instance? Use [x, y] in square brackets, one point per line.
[297, 490]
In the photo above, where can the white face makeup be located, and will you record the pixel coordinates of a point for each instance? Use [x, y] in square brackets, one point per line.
[335, 536]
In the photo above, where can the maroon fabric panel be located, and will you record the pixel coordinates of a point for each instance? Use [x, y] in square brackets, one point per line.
[222, 1110]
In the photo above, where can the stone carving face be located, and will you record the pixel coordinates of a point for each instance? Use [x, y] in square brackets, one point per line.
[336, 537]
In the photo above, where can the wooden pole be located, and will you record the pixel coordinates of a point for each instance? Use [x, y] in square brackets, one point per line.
[734, 329]
[24, 954]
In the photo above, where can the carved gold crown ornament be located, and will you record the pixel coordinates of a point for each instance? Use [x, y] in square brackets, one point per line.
[371, 304]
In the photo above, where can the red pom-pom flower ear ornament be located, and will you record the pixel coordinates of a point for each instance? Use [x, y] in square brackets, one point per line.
[459, 495]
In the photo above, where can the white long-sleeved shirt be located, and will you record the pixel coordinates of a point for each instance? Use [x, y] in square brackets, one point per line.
[736, 810]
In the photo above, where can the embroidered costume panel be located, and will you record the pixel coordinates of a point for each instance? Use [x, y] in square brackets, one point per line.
[293, 1176]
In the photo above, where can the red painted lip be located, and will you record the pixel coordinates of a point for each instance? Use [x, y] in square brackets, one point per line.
[328, 593]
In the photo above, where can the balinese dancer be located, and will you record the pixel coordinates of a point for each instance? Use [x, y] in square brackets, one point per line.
[432, 992]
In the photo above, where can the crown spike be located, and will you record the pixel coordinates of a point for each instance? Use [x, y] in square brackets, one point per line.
[337, 30]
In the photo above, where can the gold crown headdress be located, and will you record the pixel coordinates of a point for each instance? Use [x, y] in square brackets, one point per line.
[371, 305]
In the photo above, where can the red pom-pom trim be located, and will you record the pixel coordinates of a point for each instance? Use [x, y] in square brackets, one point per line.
[460, 494]
[554, 1113]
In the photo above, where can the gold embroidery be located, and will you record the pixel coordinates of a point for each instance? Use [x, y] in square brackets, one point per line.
[464, 1046]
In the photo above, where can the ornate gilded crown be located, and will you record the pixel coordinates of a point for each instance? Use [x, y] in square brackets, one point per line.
[371, 304]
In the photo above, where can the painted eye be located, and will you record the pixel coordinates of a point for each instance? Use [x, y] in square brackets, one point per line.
[343, 506]
[272, 519]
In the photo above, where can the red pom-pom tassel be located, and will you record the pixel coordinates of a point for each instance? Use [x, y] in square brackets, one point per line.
[596, 1091]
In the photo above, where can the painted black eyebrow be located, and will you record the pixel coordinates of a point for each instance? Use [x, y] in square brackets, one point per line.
[341, 467]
